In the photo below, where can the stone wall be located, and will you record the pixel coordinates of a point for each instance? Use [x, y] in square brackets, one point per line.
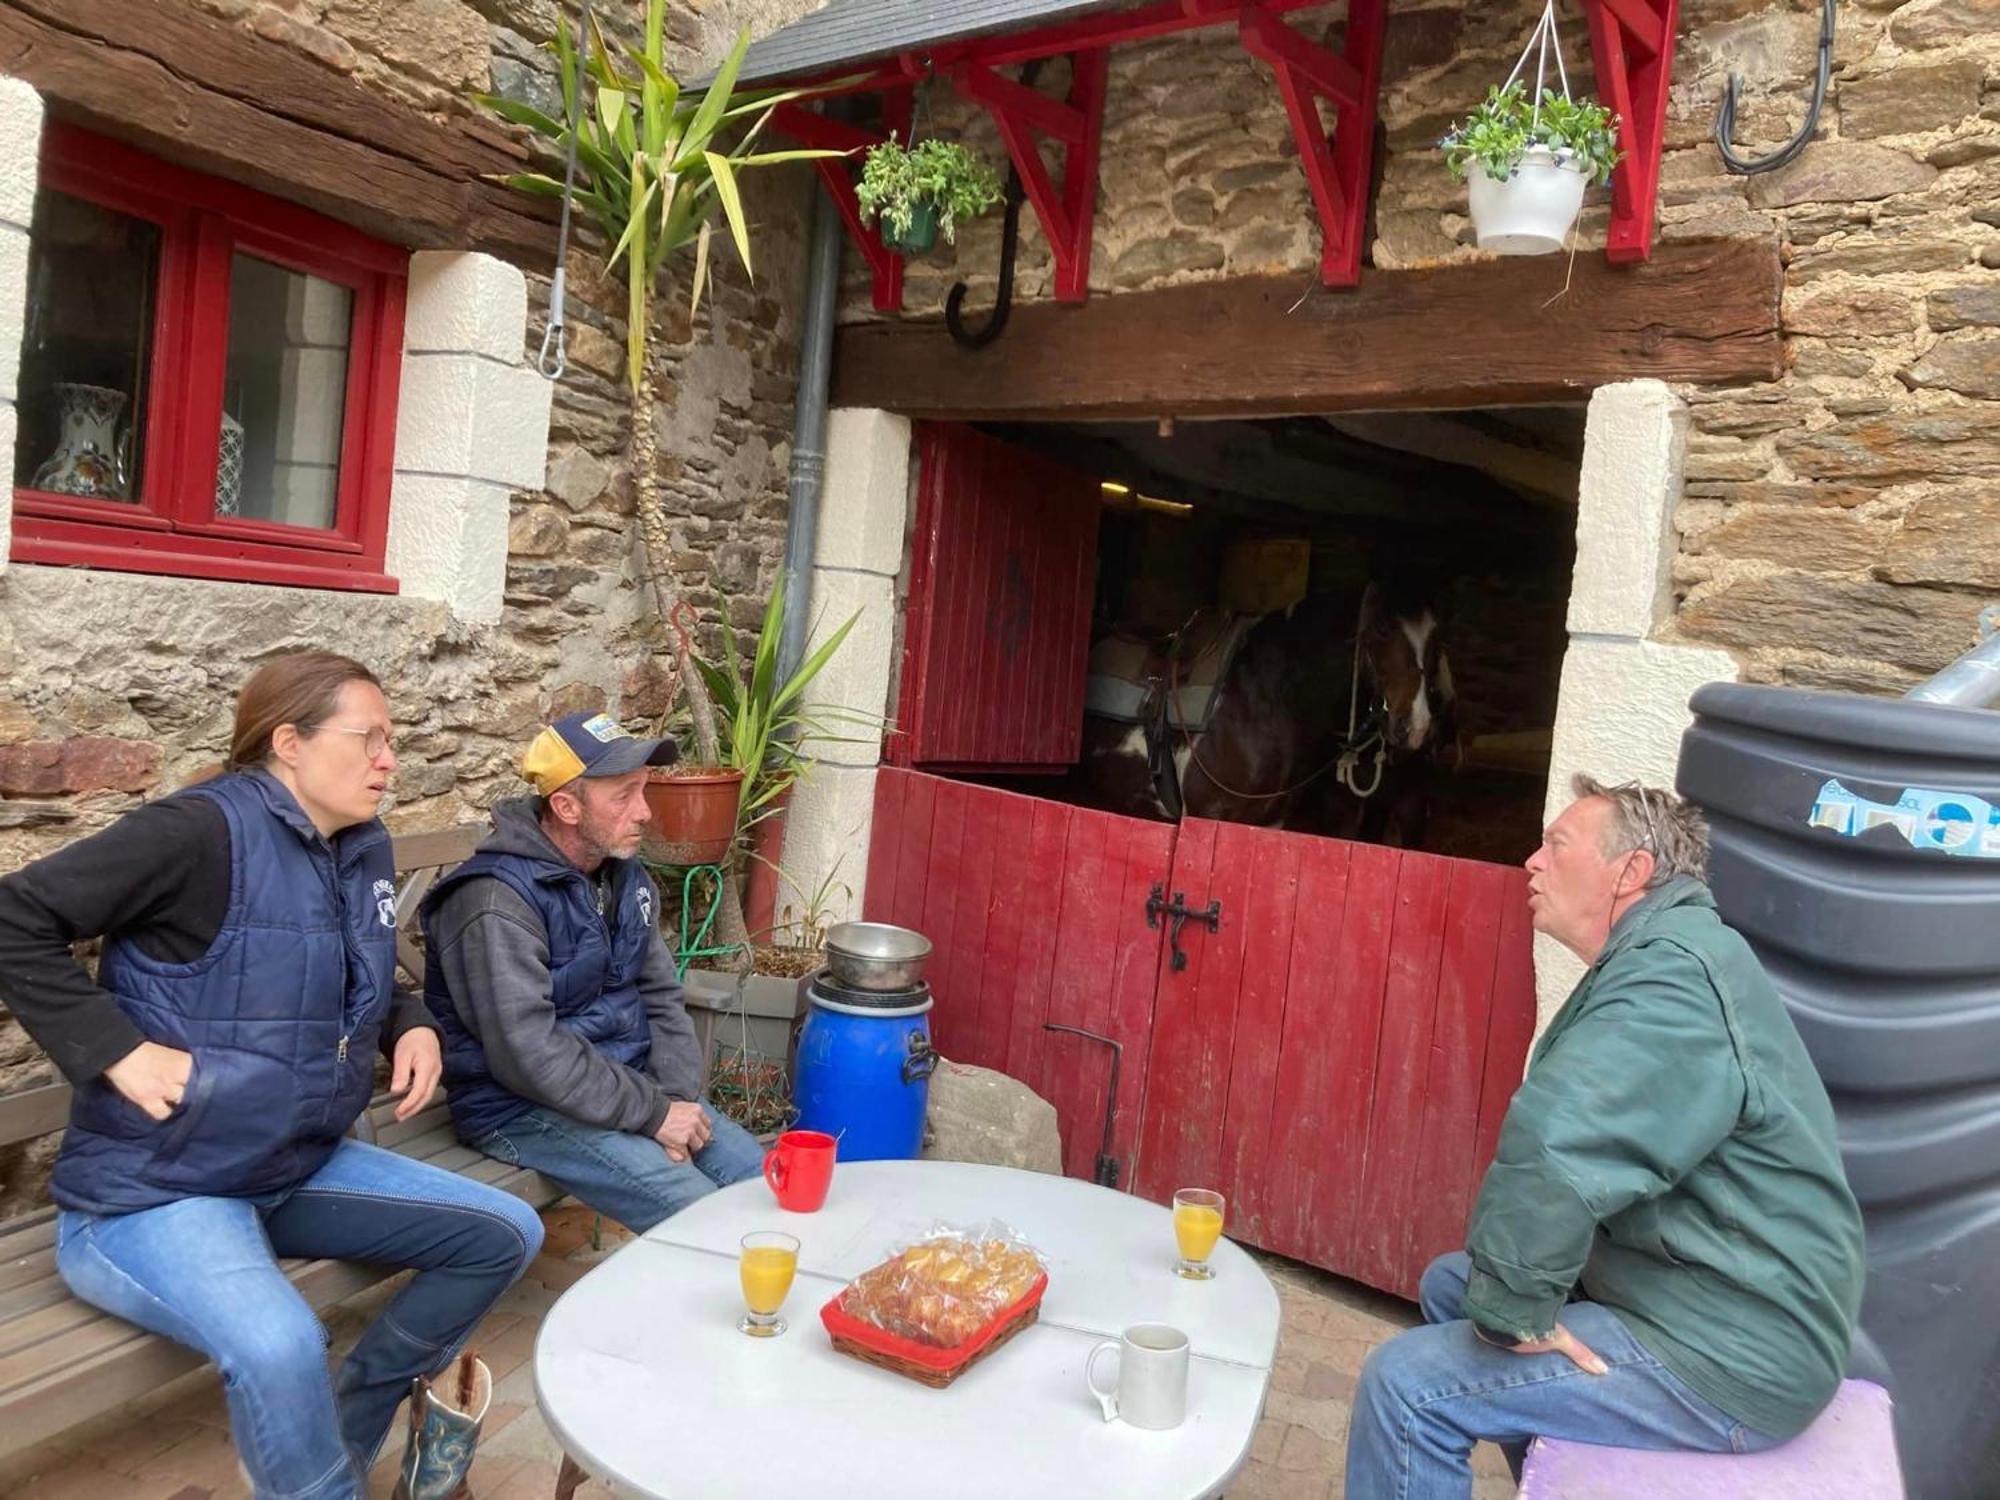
[1839, 528]
[115, 687]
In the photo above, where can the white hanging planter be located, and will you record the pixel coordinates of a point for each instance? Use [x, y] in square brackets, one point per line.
[1531, 212]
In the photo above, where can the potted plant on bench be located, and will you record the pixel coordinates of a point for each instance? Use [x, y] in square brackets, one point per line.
[1526, 158]
[923, 190]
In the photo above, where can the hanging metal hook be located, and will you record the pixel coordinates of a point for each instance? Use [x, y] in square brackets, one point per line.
[553, 359]
[1010, 243]
[1784, 156]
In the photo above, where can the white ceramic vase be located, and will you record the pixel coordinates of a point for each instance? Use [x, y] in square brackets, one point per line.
[87, 460]
[1531, 212]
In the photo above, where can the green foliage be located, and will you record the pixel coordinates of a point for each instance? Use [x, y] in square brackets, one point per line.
[652, 164]
[764, 727]
[894, 181]
[1583, 134]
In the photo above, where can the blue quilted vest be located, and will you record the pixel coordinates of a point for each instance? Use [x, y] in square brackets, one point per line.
[283, 1016]
[594, 965]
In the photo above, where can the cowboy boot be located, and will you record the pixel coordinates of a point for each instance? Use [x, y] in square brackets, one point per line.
[445, 1416]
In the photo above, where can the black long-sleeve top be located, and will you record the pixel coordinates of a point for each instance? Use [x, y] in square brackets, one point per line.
[158, 877]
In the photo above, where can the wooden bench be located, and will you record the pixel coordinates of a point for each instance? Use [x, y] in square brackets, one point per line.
[62, 1361]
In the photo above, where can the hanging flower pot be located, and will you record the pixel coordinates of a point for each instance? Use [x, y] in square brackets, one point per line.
[694, 815]
[918, 192]
[1531, 211]
[921, 234]
[1526, 159]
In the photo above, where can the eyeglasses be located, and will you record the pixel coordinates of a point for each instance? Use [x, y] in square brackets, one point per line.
[1646, 812]
[373, 741]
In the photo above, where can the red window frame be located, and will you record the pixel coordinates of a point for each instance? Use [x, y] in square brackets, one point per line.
[172, 526]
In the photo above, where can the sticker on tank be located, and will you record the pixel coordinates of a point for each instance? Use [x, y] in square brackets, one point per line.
[1955, 823]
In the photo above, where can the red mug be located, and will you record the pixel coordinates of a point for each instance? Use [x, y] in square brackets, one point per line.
[800, 1169]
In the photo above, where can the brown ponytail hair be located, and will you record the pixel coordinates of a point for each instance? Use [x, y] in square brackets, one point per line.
[300, 688]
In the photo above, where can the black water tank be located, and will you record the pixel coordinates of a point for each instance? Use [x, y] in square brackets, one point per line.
[1857, 847]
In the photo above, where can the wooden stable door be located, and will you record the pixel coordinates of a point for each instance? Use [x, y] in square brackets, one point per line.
[1002, 570]
[1334, 1054]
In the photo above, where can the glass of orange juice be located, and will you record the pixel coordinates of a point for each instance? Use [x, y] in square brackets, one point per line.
[768, 1262]
[1197, 1226]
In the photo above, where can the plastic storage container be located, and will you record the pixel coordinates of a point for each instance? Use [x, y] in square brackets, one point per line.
[864, 1069]
[1857, 847]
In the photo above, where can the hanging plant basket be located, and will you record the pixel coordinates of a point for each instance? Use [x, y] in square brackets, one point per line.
[694, 815]
[918, 192]
[921, 235]
[1527, 158]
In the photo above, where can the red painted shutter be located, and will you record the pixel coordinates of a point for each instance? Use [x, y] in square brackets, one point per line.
[1001, 583]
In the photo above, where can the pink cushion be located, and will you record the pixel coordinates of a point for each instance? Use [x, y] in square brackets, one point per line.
[1849, 1453]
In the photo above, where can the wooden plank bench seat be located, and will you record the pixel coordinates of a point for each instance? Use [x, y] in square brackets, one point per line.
[63, 1361]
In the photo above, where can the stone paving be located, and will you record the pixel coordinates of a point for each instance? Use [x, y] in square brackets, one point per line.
[174, 1444]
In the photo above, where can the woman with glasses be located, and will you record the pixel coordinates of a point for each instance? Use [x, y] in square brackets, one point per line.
[220, 1053]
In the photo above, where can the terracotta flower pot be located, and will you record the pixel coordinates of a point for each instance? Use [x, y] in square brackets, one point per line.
[694, 816]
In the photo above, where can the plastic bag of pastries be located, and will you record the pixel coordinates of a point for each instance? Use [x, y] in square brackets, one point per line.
[947, 1286]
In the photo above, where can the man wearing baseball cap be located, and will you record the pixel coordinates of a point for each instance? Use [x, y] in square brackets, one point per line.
[567, 1045]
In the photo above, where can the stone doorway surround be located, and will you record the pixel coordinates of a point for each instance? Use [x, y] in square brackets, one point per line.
[1625, 683]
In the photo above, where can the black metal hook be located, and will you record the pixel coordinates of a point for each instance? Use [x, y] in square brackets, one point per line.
[1785, 155]
[1010, 244]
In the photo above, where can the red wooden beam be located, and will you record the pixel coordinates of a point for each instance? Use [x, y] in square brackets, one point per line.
[816, 131]
[1337, 170]
[1635, 89]
[1067, 214]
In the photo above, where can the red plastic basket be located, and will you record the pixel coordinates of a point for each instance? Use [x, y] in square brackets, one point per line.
[926, 1362]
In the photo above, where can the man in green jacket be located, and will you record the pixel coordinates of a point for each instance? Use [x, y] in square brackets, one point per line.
[1665, 1253]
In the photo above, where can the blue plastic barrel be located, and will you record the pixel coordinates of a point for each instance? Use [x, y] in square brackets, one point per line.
[863, 1075]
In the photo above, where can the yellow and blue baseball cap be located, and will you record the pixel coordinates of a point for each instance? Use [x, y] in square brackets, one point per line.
[588, 744]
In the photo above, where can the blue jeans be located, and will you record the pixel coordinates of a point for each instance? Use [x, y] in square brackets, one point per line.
[624, 1176]
[204, 1272]
[1428, 1395]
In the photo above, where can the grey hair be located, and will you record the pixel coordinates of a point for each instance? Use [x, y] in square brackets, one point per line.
[1669, 828]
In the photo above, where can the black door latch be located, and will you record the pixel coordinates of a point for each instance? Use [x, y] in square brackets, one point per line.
[1157, 905]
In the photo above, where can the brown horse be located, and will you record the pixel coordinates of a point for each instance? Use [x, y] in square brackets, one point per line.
[1324, 722]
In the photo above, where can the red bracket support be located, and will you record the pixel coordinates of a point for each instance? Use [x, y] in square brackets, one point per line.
[1068, 213]
[1633, 44]
[819, 133]
[1339, 169]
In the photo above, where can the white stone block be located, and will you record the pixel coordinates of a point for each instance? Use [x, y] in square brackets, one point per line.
[1634, 446]
[864, 500]
[463, 415]
[318, 314]
[448, 542]
[462, 302]
[1622, 708]
[304, 494]
[826, 838]
[856, 677]
[13, 308]
[9, 421]
[20, 151]
[312, 405]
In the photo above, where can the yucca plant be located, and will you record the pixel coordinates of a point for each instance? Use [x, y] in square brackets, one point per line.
[653, 164]
[766, 727]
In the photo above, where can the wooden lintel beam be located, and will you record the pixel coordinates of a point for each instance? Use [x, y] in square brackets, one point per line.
[1487, 333]
[209, 94]
[1053, 118]
[1267, 37]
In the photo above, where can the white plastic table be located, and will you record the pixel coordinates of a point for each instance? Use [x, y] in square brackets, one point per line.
[645, 1381]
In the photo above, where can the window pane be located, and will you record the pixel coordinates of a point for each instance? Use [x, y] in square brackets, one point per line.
[285, 395]
[87, 349]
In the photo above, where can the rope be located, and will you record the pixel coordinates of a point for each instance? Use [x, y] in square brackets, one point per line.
[1540, 41]
[1785, 155]
[555, 340]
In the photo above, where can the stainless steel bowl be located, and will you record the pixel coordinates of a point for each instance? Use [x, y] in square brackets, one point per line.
[876, 956]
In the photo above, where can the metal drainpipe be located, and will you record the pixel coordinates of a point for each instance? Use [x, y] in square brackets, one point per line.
[1973, 681]
[809, 429]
